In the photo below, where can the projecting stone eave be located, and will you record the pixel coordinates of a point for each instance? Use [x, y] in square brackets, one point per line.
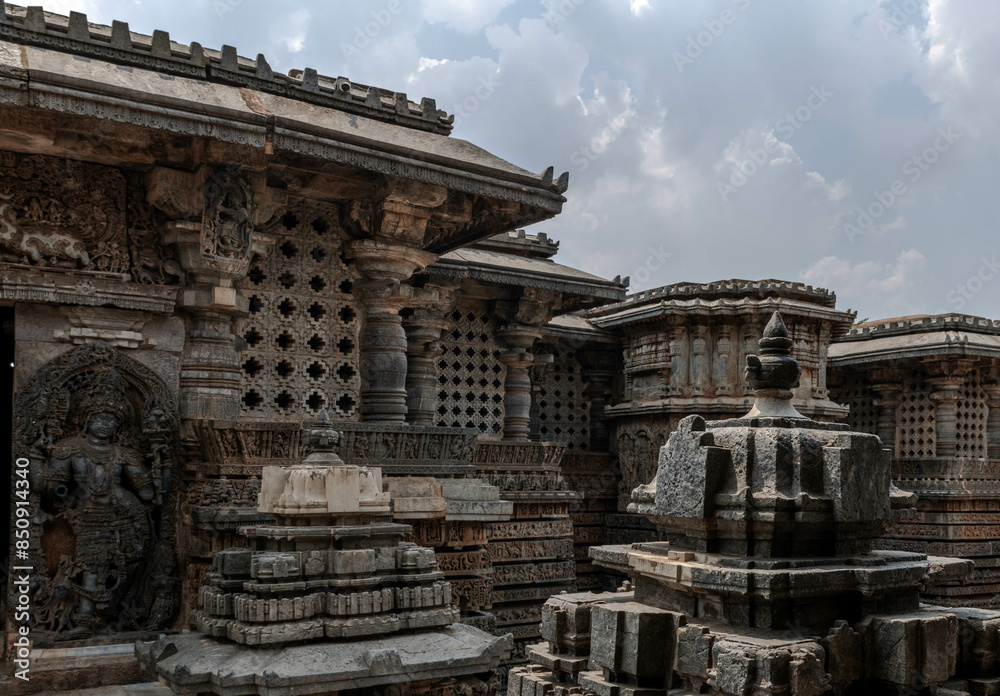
[917, 336]
[817, 409]
[579, 289]
[734, 289]
[578, 330]
[625, 314]
[943, 344]
[64, 81]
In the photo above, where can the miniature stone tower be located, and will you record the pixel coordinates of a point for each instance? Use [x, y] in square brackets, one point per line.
[326, 599]
[767, 582]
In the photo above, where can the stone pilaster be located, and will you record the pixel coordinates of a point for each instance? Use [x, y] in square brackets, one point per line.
[598, 373]
[215, 213]
[383, 345]
[992, 420]
[889, 398]
[945, 398]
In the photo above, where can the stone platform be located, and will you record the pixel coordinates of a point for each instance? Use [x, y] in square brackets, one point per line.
[195, 664]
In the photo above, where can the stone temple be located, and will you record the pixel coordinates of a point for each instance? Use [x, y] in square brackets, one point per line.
[298, 407]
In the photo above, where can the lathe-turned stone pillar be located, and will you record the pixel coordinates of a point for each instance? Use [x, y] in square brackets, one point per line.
[383, 343]
[517, 385]
[945, 398]
[423, 335]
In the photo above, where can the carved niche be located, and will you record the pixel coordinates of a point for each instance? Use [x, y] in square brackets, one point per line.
[100, 432]
[62, 214]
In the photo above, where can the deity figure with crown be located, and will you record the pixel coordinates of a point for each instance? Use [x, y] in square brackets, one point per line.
[101, 488]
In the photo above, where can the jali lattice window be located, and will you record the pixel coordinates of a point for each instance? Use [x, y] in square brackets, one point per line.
[971, 421]
[563, 412]
[916, 436]
[858, 396]
[470, 375]
[302, 331]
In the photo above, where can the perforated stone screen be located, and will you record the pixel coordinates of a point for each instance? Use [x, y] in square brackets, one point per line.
[917, 436]
[970, 425]
[470, 375]
[858, 396]
[563, 412]
[302, 331]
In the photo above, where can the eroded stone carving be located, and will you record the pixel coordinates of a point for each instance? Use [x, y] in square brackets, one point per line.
[62, 214]
[100, 432]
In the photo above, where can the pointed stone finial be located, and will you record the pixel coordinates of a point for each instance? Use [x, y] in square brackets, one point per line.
[547, 176]
[198, 54]
[310, 80]
[562, 183]
[121, 36]
[264, 70]
[230, 59]
[34, 19]
[320, 437]
[373, 98]
[774, 373]
[161, 44]
[78, 27]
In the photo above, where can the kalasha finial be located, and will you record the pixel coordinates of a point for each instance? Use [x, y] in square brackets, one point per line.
[320, 439]
[774, 373]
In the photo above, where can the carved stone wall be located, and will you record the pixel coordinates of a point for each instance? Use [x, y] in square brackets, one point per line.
[532, 554]
[470, 374]
[302, 331]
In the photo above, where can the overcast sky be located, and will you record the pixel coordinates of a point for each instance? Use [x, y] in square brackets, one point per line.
[850, 144]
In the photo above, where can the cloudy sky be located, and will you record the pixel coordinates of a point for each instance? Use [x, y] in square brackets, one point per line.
[850, 144]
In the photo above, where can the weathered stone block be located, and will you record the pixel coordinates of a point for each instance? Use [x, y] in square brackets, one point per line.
[911, 649]
[636, 642]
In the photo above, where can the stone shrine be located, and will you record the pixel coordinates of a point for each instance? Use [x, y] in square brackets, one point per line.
[325, 599]
[767, 582]
[928, 387]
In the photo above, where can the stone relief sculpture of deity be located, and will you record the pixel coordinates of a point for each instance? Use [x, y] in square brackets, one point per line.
[228, 219]
[99, 430]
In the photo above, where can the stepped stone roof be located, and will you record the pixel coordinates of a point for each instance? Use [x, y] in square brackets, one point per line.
[67, 66]
[916, 336]
[724, 297]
